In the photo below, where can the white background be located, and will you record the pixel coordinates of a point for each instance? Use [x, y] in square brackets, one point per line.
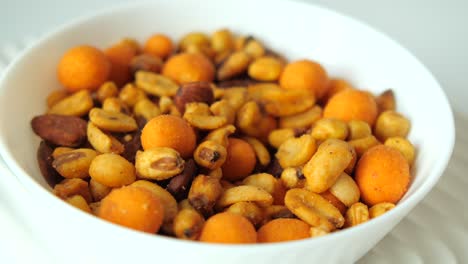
[436, 31]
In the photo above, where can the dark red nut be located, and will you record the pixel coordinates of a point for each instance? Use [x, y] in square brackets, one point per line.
[193, 92]
[67, 131]
[145, 62]
[44, 159]
[179, 185]
[274, 168]
[132, 144]
[70, 187]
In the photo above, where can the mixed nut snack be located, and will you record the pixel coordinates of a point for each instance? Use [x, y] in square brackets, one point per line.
[219, 139]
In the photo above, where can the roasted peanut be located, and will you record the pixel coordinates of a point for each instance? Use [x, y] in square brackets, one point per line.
[112, 170]
[222, 41]
[204, 193]
[79, 202]
[103, 142]
[236, 96]
[75, 163]
[98, 190]
[316, 232]
[60, 150]
[248, 116]
[130, 94]
[327, 164]
[358, 129]
[165, 104]
[145, 62]
[155, 84]
[264, 181]
[210, 154]
[146, 109]
[301, 120]
[221, 135]
[313, 209]
[112, 121]
[296, 151]
[293, 178]
[391, 124]
[254, 48]
[77, 104]
[279, 136]
[107, 90]
[193, 92]
[234, 65]
[346, 190]
[194, 38]
[114, 104]
[70, 187]
[199, 115]
[386, 101]
[60, 130]
[158, 163]
[249, 210]
[55, 97]
[326, 128]
[379, 209]
[404, 146]
[218, 93]
[277, 211]
[361, 145]
[265, 69]
[357, 214]
[263, 156]
[349, 170]
[223, 108]
[185, 204]
[245, 193]
[188, 224]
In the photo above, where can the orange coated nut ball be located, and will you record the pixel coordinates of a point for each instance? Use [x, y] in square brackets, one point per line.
[83, 68]
[350, 105]
[159, 45]
[307, 75]
[228, 228]
[240, 160]
[120, 55]
[189, 67]
[133, 207]
[169, 131]
[382, 175]
[283, 229]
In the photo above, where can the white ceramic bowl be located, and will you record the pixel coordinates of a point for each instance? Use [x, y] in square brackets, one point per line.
[346, 47]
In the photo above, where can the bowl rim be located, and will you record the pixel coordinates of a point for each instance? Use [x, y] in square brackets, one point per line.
[35, 189]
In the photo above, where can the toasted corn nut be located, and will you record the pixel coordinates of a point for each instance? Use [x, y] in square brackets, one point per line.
[380, 209]
[249, 115]
[352, 164]
[98, 190]
[226, 184]
[277, 211]
[326, 128]
[346, 190]
[112, 170]
[391, 124]
[357, 214]
[165, 104]
[158, 163]
[361, 145]
[130, 94]
[386, 101]
[221, 135]
[316, 232]
[262, 180]
[70, 187]
[168, 201]
[293, 178]
[236, 64]
[185, 204]
[188, 224]
[194, 38]
[103, 142]
[79, 202]
[245, 193]
[265, 69]
[206, 51]
[60, 150]
[313, 209]
[404, 146]
[75, 163]
[254, 48]
[215, 174]
[358, 129]
[223, 108]
[146, 109]
[107, 90]
[199, 116]
[175, 111]
[296, 151]
[55, 97]
[240, 41]
[279, 136]
[114, 104]
[77, 104]
[263, 156]
[236, 96]
[334, 201]
[204, 193]
[155, 84]
[112, 121]
[222, 41]
[210, 154]
[327, 164]
[249, 210]
[218, 93]
[301, 120]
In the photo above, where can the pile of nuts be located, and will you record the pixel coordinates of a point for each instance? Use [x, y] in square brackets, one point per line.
[219, 133]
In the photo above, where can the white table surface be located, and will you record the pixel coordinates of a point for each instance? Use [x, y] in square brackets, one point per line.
[434, 30]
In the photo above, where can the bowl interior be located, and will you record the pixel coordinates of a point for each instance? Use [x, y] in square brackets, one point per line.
[346, 48]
